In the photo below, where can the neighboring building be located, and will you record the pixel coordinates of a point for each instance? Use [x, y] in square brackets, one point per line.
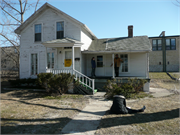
[165, 55]
[9, 58]
[52, 41]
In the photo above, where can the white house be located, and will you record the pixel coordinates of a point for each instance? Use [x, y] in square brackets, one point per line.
[52, 41]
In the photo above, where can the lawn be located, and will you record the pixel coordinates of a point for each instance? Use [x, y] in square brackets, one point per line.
[30, 112]
[160, 117]
[162, 80]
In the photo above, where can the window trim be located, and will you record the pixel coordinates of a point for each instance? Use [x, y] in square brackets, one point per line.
[50, 61]
[171, 45]
[157, 45]
[33, 76]
[97, 61]
[128, 54]
[55, 37]
[41, 33]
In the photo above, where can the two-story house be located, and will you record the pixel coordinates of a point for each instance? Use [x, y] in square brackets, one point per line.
[52, 41]
[165, 55]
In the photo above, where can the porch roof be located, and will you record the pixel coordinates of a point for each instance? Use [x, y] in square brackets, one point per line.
[123, 44]
[62, 42]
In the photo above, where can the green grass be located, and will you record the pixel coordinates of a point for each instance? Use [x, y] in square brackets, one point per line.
[140, 95]
[161, 75]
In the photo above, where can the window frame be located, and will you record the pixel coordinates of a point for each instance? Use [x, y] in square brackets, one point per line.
[56, 29]
[171, 44]
[41, 32]
[156, 45]
[51, 60]
[128, 58]
[34, 76]
[99, 61]
[35, 64]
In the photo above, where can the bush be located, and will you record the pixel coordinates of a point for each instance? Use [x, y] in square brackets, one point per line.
[24, 83]
[133, 86]
[57, 83]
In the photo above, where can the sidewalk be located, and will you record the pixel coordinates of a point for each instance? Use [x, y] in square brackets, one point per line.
[87, 121]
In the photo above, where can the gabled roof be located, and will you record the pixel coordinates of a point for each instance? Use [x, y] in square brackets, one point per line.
[124, 44]
[63, 40]
[41, 10]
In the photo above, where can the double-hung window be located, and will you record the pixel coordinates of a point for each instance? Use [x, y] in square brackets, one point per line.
[50, 60]
[38, 32]
[124, 57]
[34, 64]
[157, 44]
[171, 44]
[59, 30]
[99, 61]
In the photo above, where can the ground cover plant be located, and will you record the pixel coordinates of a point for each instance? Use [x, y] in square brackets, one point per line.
[133, 88]
[33, 112]
[160, 117]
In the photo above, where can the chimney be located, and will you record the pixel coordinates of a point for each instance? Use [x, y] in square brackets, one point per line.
[130, 31]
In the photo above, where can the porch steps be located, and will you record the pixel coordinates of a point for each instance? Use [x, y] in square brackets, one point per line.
[82, 89]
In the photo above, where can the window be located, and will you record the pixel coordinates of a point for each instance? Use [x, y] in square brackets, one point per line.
[171, 44]
[99, 61]
[124, 57]
[59, 30]
[34, 64]
[38, 32]
[157, 44]
[50, 60]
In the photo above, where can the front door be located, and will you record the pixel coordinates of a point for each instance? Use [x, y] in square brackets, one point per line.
[99, 65]
[67, 59]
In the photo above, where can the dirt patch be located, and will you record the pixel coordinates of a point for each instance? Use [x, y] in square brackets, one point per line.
[160, 117]
[32, 112]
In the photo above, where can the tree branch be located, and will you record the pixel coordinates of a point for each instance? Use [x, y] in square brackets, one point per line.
[36, 5]
[25, 6]
[10, 14]
[10, 41]
[11, 6]
[10, 56]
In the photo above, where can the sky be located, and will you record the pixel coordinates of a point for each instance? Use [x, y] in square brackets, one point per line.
[110, 18]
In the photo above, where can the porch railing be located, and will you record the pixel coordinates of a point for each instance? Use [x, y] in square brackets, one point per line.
[83, 79]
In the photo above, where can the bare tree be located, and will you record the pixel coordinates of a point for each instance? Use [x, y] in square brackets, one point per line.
[176, 2]
[13, 12]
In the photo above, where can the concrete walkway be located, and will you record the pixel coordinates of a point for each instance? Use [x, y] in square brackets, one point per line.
[87, 121]
[159, 92]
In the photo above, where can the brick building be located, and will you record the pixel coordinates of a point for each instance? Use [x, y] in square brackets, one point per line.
[165, 55]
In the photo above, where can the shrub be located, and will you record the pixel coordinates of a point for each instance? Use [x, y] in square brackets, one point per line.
[133, 86]
[57, 83]
[24, 83]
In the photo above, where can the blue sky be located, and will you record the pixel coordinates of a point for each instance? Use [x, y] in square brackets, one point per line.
[110, 18]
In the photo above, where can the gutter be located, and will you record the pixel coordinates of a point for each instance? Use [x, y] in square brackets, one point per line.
[91, 52]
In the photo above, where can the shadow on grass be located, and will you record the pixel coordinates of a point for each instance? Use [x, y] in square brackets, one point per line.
[61, 122]
[56, 108]
[139, 118]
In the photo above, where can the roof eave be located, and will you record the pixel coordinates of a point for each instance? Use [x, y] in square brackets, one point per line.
[121, 51]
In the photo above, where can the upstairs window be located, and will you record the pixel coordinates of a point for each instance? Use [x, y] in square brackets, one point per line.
[171, 44]
[37, 32]
[157, 44]
[59, 30]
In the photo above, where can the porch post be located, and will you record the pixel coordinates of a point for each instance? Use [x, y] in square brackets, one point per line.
[113, 65]
[46, 59]
[73, 57]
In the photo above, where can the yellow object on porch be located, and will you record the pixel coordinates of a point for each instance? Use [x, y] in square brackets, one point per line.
[67, 62]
